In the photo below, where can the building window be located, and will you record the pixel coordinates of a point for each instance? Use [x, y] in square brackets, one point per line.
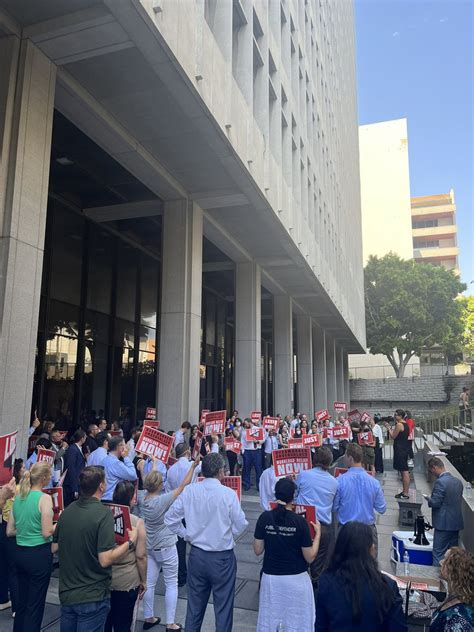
[432, 243]
[426, 223]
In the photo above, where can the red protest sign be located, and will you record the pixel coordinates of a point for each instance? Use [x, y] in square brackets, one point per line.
[115, 433]
[56, 494]
[365, 416]
[204, 412]
[340, 406]
[354, 415]
[152, 424]
[214, 423]
[32, 441]
[271, 423]
[150, 413]
[122, 521]
[47, 456]
[312, 440]
[233, 445]
[256, 415]
[153, 442]
[232, 482]
[291, 461]
[339, 470]
[197, 445]
[322, 415]
[255, 433]
[308, 512]
[7, 456]
[341, 433]
[295, 442]
[207, 447]
[364, 438]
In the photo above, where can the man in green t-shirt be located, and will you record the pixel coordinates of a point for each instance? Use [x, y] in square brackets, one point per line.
[85, 541]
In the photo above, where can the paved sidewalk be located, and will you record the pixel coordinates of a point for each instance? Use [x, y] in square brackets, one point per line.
[248, 566]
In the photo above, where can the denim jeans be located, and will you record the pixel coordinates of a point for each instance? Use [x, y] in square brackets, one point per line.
[85, 617]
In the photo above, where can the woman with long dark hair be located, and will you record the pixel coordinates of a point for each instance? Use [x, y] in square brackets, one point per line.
[401, 450]
[354, 596]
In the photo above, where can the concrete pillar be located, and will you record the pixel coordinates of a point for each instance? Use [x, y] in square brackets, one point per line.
[27, 84]
[283, 355]
[248, 343]
[319, 368]
[340, 373]
[304, 333]
[331, 371]
[347, 389]
[180, 331]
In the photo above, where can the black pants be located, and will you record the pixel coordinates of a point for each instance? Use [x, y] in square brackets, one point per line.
[379, 460]
[34, 565]
[232, 458]
[120, 614]
[182, 570]
[8, 578]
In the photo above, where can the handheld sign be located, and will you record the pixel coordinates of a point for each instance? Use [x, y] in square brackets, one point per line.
[152, 424]
[32, 441]
[233, 445]
[339, 470]
[197, 445]
[116, 433]
[256, 415]
[322, 415]
[122, 521]
[204, 412]
[340, 433]
[255, 433]
[153, 442]
[150, 413]
[340, 407]
[365, 438]
[56, 494]
[308, 512]
[232, 482]
[291, 461]
[354, 415]
[312, 440]
[295, 442]
[271, 423]
[46, 456]
[214, 423]
[365, 416]
[7, 456]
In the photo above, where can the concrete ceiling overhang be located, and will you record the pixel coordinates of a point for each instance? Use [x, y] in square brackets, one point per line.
[119, 83]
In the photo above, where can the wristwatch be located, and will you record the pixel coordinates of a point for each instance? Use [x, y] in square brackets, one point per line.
[131, 545]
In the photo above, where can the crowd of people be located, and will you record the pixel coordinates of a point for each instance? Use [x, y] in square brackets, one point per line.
[319, 575]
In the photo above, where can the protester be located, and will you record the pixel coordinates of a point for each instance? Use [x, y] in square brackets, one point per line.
[85, 542]
[230, 454]
[358, 495]
[182, 435]
[97, 457]
[285, 540]
[90, 443]
[74, 463]
[132, 442]
[464, 405]
[271, 443]
[161, 545]
[117, 466]
[102, 425]
[354, 596]
[317, 488]
[411, 437]
[379, 443]
[445, 502]
[31, 521]
[401, 450]
[456, 613]
[33, 458]
[368, 450]
[129, 573]
[267, 488]
[252, 458]
[213, 515]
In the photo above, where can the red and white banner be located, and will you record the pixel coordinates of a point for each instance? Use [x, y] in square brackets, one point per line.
[321, 415]
[150, 413]
[308, 512]
[364, 438]
[312, 440]
[32, 441]
[339, 470]
[295, 442]
[153, 442]
[122, 521]
[46, 456]
[291, 461]
[214, 423]
[365, 416]
[255, 433]
[232, 482]
[256, 415]
[204, 412]
[271, 423]
[340, 407]
[197, 445]
[152, 424]
[7, 456]
[56, 494]
[341, 433]
[354, 415]
[233, 445]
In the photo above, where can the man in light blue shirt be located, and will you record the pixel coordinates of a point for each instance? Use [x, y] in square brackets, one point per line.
[318, 488]
[117, 470]
[98, 455]
[359, 495]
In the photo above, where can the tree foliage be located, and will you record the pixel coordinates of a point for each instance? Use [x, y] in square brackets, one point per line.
[410, 306]
[467, 318]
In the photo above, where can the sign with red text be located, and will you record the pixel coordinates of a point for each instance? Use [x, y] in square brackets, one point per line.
[353, 415]
[122, 521]
[46, 456]
[7, 456]
[32, 441]
[255, 433]
[339, 470]
[308, 512]
[271, 423]
[365, 416]
[150, 413]
[214, 423]
[291, 461]
[197, 445]
[233, 445]
[256, 415]
[365, 438]
[321, 415]
[56, 494]
[153, 442]
[232, 482]
[340, 407]
[207, 447]
[341, 433]
[152, 424]
[295, 442]
[312, 440]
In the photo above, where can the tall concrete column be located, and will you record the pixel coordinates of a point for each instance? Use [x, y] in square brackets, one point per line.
[340, 373]
[248, 343]
[319, 369]
[27, 84]
[283, 355]
[331, 371]
[347, 389]
[304, 333]
[180, 331]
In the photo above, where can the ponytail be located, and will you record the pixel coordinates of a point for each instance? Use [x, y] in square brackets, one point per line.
[25, 484]
[37, 473]
[280, 512]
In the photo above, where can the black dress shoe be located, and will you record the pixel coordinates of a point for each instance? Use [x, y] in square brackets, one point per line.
[147, 625]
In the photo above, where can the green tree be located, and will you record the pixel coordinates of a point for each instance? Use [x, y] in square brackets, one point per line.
[467, 318]
[410, 306]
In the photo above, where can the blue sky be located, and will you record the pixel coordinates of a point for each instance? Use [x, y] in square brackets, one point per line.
[415, 60]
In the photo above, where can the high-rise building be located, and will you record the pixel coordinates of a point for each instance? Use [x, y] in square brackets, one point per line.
[179, 188]
[435, 231]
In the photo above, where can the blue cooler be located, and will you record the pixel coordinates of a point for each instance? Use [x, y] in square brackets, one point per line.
[403, 541]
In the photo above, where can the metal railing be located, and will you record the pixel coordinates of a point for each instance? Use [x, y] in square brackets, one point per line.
[411, 370]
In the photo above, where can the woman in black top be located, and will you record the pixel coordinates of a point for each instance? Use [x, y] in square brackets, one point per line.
[286, 593]
[401, 450]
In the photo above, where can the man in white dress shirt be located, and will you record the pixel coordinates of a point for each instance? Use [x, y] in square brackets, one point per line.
[267, 488]
[213, 516]
[271, 443]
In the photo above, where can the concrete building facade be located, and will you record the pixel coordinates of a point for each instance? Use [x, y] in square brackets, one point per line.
[179, 193]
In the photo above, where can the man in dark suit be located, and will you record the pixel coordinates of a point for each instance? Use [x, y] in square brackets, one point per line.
[445, 502]
[74, 463]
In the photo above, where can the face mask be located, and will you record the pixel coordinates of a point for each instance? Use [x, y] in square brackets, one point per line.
[237, 423]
